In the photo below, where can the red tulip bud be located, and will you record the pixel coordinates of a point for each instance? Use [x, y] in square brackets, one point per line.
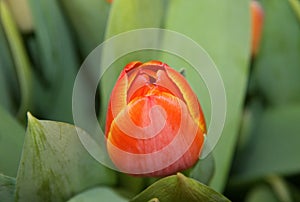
[257, 23]
[155, 125]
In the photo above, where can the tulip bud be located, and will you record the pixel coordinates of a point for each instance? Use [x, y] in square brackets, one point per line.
[155, 125]
[257, 22]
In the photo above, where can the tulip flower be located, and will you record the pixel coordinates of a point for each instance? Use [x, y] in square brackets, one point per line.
[257, 22]
[155, 125]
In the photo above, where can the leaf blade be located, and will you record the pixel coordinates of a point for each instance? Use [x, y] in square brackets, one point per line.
[55, 165]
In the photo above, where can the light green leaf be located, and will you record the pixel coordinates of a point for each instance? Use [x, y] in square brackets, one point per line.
[11, 142]
[7, 188]
[124, 17]
[276, 68]
[55, 165]
[20, 57]
[103, 194]
[222, 28]
[89, 20]
[273, 146]
[58, 60]
[295, 4]
[137, 14]
[178, 188]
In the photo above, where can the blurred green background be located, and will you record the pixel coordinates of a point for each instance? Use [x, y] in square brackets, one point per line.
[43, 44]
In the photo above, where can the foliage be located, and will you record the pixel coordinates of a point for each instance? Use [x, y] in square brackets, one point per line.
[42, 47]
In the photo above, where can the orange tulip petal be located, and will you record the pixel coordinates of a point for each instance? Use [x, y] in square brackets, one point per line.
[257, 22]
[148, 123]
[187, 139]
[189, 97]
[155, 125]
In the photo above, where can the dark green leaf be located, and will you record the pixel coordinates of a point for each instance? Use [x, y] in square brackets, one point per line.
[7, 76]
[273, 146]
[178, 188]
[20, 57]
[11, 142]
[55, 165]
[89, 21]
[7, 188]
[58, 60]
[277, 67]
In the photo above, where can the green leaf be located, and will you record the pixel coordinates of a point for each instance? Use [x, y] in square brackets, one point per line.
[55, 165]
[89, 21]
[178, 188]
[104, 194]
[222, 28]
[124, 17]
[295, 4]
[276, 68]
[204, 170]
[58, 60]
[273, 146]
[11, 142]
[137, 14]
[7, 188]
[8, 79]
[20, 57]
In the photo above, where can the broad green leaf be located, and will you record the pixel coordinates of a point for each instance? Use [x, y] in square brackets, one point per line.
[20, 57]
[103, 194]
[11, 142]
[137, 14]
[89, 21]
[273, 145]
[276, 69]
[55, 165]
[124, 17]
[178, 188]
[7, 188]
[58, 60]
[222, 28]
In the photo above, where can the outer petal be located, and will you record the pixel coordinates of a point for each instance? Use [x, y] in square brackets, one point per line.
[118, 98]
[151, 156]
[189, 97]
[147, 124]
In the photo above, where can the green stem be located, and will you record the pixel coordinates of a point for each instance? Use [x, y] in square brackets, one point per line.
[280, 188]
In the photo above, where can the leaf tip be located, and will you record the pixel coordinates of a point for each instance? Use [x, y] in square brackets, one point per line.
[32, 121]
[154, 200]
[30, 117]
